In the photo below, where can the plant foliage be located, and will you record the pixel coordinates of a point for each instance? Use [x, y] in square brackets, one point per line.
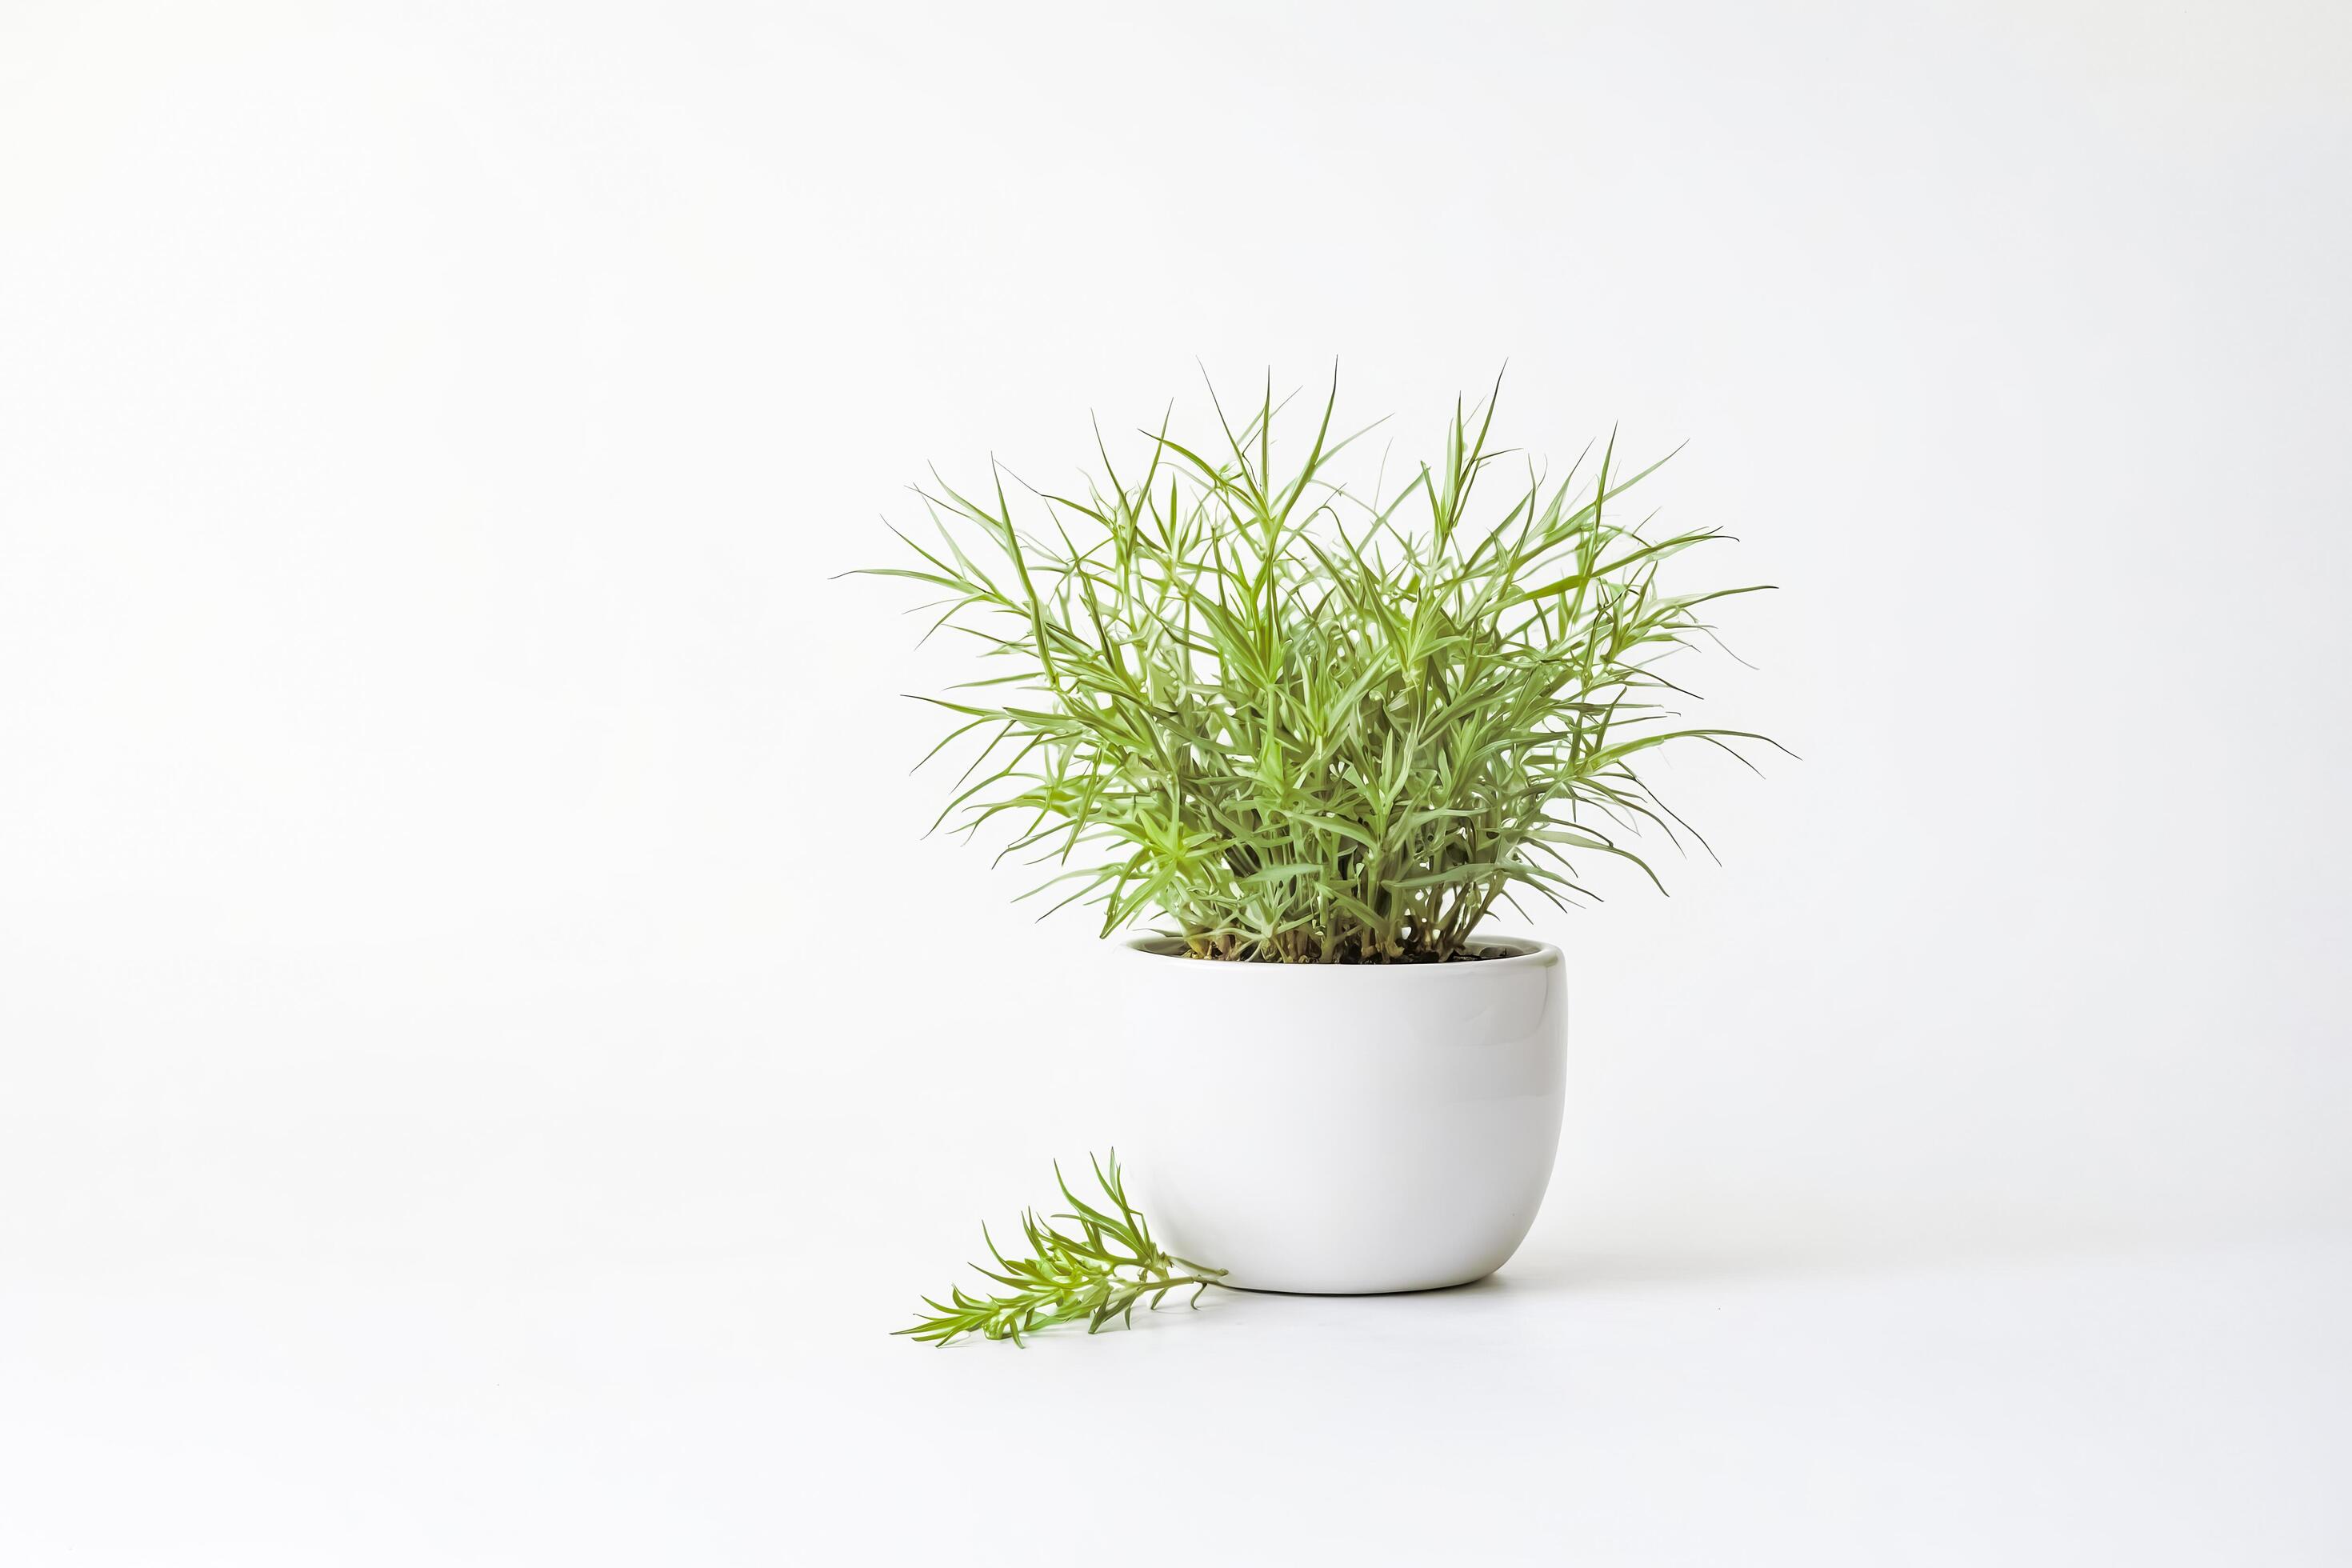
[1302, 725]
[1098, 1275]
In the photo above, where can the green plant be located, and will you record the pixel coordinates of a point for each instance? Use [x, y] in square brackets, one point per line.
[1097, 1275]
[1302, 726]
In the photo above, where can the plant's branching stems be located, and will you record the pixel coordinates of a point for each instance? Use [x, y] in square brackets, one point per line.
[1301, 740]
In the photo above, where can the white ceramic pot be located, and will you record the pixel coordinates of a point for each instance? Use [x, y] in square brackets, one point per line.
[1342, 1129]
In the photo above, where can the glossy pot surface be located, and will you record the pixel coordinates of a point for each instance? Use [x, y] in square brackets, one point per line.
[1342, 1129]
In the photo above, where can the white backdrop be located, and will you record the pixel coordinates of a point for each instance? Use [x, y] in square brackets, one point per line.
[485, 1052]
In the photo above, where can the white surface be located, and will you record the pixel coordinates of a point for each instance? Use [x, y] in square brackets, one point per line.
[623, 1404]
[1408, 1114]
[442, 797]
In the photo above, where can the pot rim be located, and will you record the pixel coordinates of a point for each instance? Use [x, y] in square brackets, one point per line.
[1521, 952]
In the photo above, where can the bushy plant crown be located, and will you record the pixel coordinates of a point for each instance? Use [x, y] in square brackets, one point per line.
[1301, 725]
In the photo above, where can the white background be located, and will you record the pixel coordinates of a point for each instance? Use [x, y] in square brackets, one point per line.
[484, 1054]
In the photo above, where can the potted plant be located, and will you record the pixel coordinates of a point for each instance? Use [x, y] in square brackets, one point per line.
[1316, 739]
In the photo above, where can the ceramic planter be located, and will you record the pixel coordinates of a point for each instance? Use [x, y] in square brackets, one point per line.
[1343, 1129]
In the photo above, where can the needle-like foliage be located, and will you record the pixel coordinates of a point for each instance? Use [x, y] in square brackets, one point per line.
[1098, 1274]
[1304, 726]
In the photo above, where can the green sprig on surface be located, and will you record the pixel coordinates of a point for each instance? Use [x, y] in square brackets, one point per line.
[1098, 1275]
[1304, 726]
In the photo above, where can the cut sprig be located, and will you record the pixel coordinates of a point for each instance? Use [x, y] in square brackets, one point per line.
[1096, 1276]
